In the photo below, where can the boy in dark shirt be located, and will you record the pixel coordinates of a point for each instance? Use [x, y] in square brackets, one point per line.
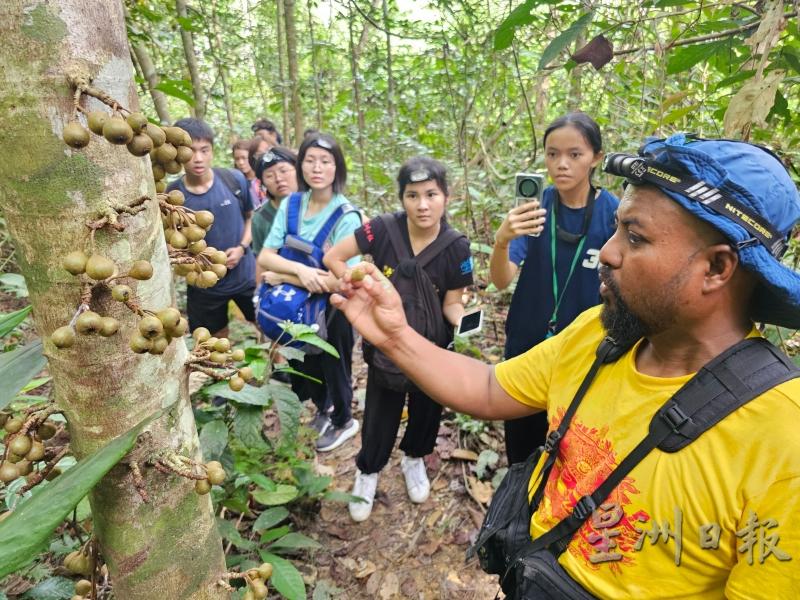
[232, 210]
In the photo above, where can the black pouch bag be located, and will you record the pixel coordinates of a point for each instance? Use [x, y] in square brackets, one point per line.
[538, 576]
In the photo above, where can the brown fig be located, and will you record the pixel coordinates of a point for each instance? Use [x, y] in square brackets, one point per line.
[174, 135]
[216, 476]
[169, 317]
[219, 270]
[75, 262]
[117, 131]
[178, 240]
[121, 293]
[222, 345]
[176, 198]
[201, 334]
[237, 355]
[265, 570]
[156, 134]
[140, 344]
[150, 327]
[20, 445]
[219, 257]
[173, 167]
[108, 326]
[191, 278]
[180, 329]
[202, 487]
[13, 425]
[236, 383]
[140, 145]
[197, 247]
[99, 267]
[96, 119]
[141, 270]
[138, 122]
[63, 337]
[76, 135]
[209, 278]
[246, 373]
[204, 218]
[36, 452]
[184, 154]
[161, 186]
[194, 233]
[219, 358]
[166, 153]
[160, 345]
[45, 431]
[88, 323]
[159, 173]
[8, 472]
[83, 587]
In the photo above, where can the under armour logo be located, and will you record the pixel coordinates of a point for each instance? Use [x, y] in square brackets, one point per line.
[287, 293]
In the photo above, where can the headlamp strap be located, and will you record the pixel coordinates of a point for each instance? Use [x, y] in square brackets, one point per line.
[718, 201]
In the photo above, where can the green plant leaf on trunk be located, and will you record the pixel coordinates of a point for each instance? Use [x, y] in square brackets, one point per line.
[213, 439]
[9, 321]
[17, 368]
[25, 533]
[270, 518]
[285, 577]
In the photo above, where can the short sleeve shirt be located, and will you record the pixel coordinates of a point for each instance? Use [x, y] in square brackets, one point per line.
[310, 226]
[450, 270]
[227, 231]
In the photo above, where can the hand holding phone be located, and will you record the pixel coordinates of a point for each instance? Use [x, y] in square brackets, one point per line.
[528, 187]
[471, 322]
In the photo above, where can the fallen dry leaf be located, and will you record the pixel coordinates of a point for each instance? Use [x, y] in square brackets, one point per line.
[390, 587]
[365, 568]
[482, 492]
[464, 454]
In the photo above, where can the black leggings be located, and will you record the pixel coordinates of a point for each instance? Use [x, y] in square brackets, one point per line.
[336, 387]
[382, 413]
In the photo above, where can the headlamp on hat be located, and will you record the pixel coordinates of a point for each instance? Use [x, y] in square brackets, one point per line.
[322, 143]
[646, 169]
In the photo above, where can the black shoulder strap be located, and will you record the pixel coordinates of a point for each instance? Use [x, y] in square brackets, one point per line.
[431, 251]
[232, 184]
[741, 373]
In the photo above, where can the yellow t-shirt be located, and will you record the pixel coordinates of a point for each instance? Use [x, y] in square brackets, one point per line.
[728, 499]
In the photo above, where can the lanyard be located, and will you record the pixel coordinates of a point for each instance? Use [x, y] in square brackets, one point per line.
[558, 297]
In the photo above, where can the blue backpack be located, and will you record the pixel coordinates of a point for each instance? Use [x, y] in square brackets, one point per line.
[287, 302]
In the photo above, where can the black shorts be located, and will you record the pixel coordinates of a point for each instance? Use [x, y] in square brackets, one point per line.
[211, 312]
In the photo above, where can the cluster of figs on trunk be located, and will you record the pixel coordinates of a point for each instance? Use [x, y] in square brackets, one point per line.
[220, 353]
[24, 451]
[169, 147]
[185, 230]
[257, 582]
[83, 588]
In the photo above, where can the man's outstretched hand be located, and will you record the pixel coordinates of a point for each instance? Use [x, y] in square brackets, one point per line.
[371, 304]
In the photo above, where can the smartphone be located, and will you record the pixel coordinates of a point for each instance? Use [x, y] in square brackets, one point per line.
[471, 322]
[528, 187]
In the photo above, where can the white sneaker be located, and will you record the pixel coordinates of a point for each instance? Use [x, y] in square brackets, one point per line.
[364, 487]
[417, 484]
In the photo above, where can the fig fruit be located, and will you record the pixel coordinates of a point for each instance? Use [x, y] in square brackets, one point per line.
[76, 135]
[99, 267]
[88, 323]
[75, 262]
[117, 131]
[63, 337]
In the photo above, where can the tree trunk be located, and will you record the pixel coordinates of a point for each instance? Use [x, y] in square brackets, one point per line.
[191, 63]
[169, 547]
[150, 75]
[216, 43]
[282, 72]
[389, 73]
[254, 43]
[362, 126]
[291, 53]
[315, 66]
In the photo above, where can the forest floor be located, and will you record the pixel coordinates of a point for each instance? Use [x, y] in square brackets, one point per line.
[404, 550]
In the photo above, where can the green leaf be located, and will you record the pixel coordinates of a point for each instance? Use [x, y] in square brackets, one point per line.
[292, 353]
[339, 496]
[285, 577]
[247, 424]
[53, 588]
[213, 439]
[289, 409]
[171, 89]
[686, 57]
[14, 283]
[281, 495]
[270, 518]
[792, 58]
[17, 368]
[313, 339]
[228, 531]
[26, 532]
[247, 395]
[9, 321]
[486, 459]
[678, 114]
[294, 541]
[564, 39]
[504, 34]
[273, 534]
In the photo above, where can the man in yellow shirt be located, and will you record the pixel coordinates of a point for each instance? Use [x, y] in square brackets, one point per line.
[695, 261]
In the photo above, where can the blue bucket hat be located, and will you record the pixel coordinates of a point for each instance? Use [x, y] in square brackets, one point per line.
[754, 178]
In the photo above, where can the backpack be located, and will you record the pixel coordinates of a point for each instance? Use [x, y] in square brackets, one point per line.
[287, 302]
[420, 302]
[229, 179]
[529, 569]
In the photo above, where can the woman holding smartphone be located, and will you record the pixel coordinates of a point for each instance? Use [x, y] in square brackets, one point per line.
[556, 248]
[421, 231]
[321, 176]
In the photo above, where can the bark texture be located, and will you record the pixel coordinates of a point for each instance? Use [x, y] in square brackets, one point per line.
[291, 53]
[150, 75]
[191, 63]
[169, 547]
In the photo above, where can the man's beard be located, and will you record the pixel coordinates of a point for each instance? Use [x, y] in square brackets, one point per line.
[620, 323]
